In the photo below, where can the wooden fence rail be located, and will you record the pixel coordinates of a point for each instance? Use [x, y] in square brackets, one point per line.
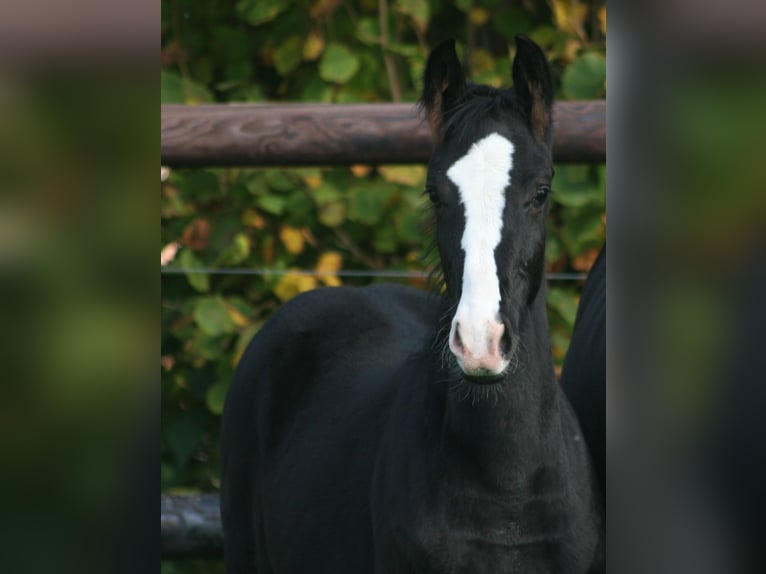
[340, 134]
[191, 526]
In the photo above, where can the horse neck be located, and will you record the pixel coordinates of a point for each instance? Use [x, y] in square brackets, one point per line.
[509, 436]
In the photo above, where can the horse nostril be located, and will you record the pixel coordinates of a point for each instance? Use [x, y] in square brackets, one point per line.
[505, 342]
[457, 342]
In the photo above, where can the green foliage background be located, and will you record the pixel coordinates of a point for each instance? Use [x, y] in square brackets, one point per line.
[362, 217]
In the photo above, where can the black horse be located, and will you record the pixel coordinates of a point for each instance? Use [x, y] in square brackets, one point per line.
[583, 377]
[390, 430]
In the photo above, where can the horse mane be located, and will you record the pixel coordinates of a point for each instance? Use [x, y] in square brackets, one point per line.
[476, 104]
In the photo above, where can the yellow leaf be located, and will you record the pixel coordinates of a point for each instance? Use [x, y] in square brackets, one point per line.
[478, 16]
[329, 263]
[571, 49]
[360, 170]
[292, 239]
[313, 181]
[306, 283]
[313, 46]
[410, 175]
[309, 237]
[602, 19]
[238, 318]
[569, 16]
[482, 61]
[251, 218]
[330, 280]
[292, 284]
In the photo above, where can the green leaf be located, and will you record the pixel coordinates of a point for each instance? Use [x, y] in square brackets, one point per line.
[237, 251]
[167, 475]
[385, 240]
[202, 347]
[288, 56]
[565, 303]
[257, 12]
[367, 203]
[171, 88]
[410, 227]
[368, 31]
[241, 305]
[199, 281]
[553, 248]
[200, 186]
[418, 10]
[272, 203]
[300, 208]
[324, 194]
[202, 69]
[544, 35]
[332, 214]
[244, 340]
[582, 230]
[510, 21]
[175, 89]
[406, 50]
[183, 435]
[338, 64]
[577, 186]
[228, 43]
[236, 73]
[417, 65]
[212, 316]
[585, 78]
[279, 180]
[315, 89]
[366, 81]
[216, 396]
[560, 342]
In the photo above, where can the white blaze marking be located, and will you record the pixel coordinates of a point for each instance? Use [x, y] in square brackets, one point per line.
[481, 177]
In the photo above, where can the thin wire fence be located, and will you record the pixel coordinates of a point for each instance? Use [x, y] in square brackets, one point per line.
[379, 274]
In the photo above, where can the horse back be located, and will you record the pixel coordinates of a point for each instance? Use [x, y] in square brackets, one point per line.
[303, 421]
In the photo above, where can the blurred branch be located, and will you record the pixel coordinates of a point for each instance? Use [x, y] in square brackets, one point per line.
[351, 13]
[176, 23]
[347, 243]
[393, 81]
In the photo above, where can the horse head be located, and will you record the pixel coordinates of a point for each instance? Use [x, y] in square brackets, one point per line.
[489, 179]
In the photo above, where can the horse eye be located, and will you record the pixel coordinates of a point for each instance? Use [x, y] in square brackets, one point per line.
[433, 195]
[542, 194]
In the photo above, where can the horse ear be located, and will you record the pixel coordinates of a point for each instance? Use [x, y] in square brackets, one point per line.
[443, 82]
[534, 86]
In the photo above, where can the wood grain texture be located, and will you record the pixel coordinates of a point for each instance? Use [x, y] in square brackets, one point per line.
[191, 526]
[340, 134]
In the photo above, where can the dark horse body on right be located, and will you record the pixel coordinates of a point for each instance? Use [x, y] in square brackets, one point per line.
[390, 430]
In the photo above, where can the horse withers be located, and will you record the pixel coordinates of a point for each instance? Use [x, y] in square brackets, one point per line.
[391, 430]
